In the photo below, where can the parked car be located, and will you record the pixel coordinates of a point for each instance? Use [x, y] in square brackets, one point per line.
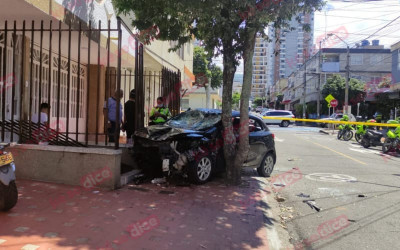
[259, 109]
[190, 144]
[336, 117]
[278, 113]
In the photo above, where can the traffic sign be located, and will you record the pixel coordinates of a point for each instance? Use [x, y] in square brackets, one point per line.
[329, 98]
[329, 105]
[334, 103]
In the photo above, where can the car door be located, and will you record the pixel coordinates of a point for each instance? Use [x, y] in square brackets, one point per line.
[257, 141]
[270, 121]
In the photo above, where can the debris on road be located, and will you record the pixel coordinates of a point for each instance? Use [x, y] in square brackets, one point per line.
[280, 199]
[290, 159]
[351, 220]
[159, 180]
[303, 195]
[312, 204]
[362, 195]
[279, 184]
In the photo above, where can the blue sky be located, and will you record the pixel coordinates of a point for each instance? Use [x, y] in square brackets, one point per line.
[355, 21]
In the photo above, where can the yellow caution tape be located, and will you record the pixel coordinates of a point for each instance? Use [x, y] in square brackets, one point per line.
[328, 121]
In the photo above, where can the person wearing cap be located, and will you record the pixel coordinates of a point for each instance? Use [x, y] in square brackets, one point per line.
[160, 113]
[129, 112]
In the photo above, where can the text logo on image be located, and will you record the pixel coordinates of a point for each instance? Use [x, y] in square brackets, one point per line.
[7, 82]
[288, 178]
[139, 228]
[333, 40]
[325, 230]
[95, 178]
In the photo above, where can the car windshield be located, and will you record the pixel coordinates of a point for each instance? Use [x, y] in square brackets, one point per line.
[194, 120]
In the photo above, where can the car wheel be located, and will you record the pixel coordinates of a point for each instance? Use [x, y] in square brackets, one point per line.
[200, 170]
[285, 124]
[8, 196]
[267, 165]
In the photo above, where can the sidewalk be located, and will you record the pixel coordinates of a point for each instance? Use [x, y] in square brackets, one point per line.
[210, 216]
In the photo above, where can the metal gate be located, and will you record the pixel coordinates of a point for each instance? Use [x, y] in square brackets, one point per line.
[75, 70]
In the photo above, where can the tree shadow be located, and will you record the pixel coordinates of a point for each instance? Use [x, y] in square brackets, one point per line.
[210, 216]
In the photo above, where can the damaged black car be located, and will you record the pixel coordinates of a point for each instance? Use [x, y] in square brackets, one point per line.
[190, 144]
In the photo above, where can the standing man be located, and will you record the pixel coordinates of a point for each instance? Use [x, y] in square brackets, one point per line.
[160, 113]
[129, 110]
[110, 114]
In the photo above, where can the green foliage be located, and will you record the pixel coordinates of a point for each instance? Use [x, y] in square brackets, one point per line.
[235, 100]
[336, 87]
[216, 76]
[278, 103]
[258, 101]
[383, 104]
[200, 66]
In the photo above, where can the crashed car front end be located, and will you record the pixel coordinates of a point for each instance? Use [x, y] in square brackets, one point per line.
[172, 150]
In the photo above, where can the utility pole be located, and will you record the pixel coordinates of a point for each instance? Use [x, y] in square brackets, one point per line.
[346, 93]
[304, 90]
[319, 79]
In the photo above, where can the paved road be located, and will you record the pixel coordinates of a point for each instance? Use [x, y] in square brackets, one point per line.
[334, 174]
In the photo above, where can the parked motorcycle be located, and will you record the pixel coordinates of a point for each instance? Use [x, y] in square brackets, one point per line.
[345, 132]
[392, 141]
[361, 130]
[8, 188]
[372, 138]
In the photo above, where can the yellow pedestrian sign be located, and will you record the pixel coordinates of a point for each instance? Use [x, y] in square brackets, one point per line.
[329, 98]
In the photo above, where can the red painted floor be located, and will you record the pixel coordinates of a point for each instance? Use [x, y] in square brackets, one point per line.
[210, 216]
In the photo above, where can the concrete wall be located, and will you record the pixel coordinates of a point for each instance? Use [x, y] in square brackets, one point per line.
[88, 167]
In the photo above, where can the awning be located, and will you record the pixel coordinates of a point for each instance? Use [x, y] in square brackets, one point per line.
[286, 101]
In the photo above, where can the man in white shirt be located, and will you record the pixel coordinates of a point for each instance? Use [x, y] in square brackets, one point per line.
[44, 110]
[41, 136]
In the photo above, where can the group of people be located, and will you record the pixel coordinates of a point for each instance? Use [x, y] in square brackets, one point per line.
[158, 115]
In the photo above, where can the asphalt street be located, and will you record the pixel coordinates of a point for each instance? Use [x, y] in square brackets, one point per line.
[357, 191]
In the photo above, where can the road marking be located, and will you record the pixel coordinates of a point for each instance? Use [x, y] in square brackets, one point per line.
[361, 151]
[339, 153]
[329, 177]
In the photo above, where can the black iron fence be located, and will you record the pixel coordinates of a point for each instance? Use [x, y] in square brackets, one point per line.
[74, 70]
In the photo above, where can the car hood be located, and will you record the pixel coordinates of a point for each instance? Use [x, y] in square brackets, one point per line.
[164, 132]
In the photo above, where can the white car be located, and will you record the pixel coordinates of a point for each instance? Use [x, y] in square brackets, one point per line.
[335, 117]
[279, 113]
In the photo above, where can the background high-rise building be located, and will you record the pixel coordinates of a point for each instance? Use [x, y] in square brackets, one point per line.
[295, 45]
[260, 58]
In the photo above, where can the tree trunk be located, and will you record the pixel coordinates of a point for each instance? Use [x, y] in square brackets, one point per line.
[207, 90]
[232, 175]
[243, 148]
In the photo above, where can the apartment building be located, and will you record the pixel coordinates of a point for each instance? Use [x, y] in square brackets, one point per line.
[260, 58]
[295, 45]
[369, 64]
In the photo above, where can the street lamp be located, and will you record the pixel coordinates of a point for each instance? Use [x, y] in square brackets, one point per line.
[346, 93]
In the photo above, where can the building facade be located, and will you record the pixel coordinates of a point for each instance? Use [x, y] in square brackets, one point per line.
[369, 64]
[295, 45]
[260, 57]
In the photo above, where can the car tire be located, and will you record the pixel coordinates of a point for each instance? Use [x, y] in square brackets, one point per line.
[267, 165]
[200, 170]
[285, 124]
[8, 196]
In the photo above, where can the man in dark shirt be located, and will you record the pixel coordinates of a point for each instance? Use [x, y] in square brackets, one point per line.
[129, 109]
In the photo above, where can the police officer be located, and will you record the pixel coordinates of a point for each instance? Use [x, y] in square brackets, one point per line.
[160, 113]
